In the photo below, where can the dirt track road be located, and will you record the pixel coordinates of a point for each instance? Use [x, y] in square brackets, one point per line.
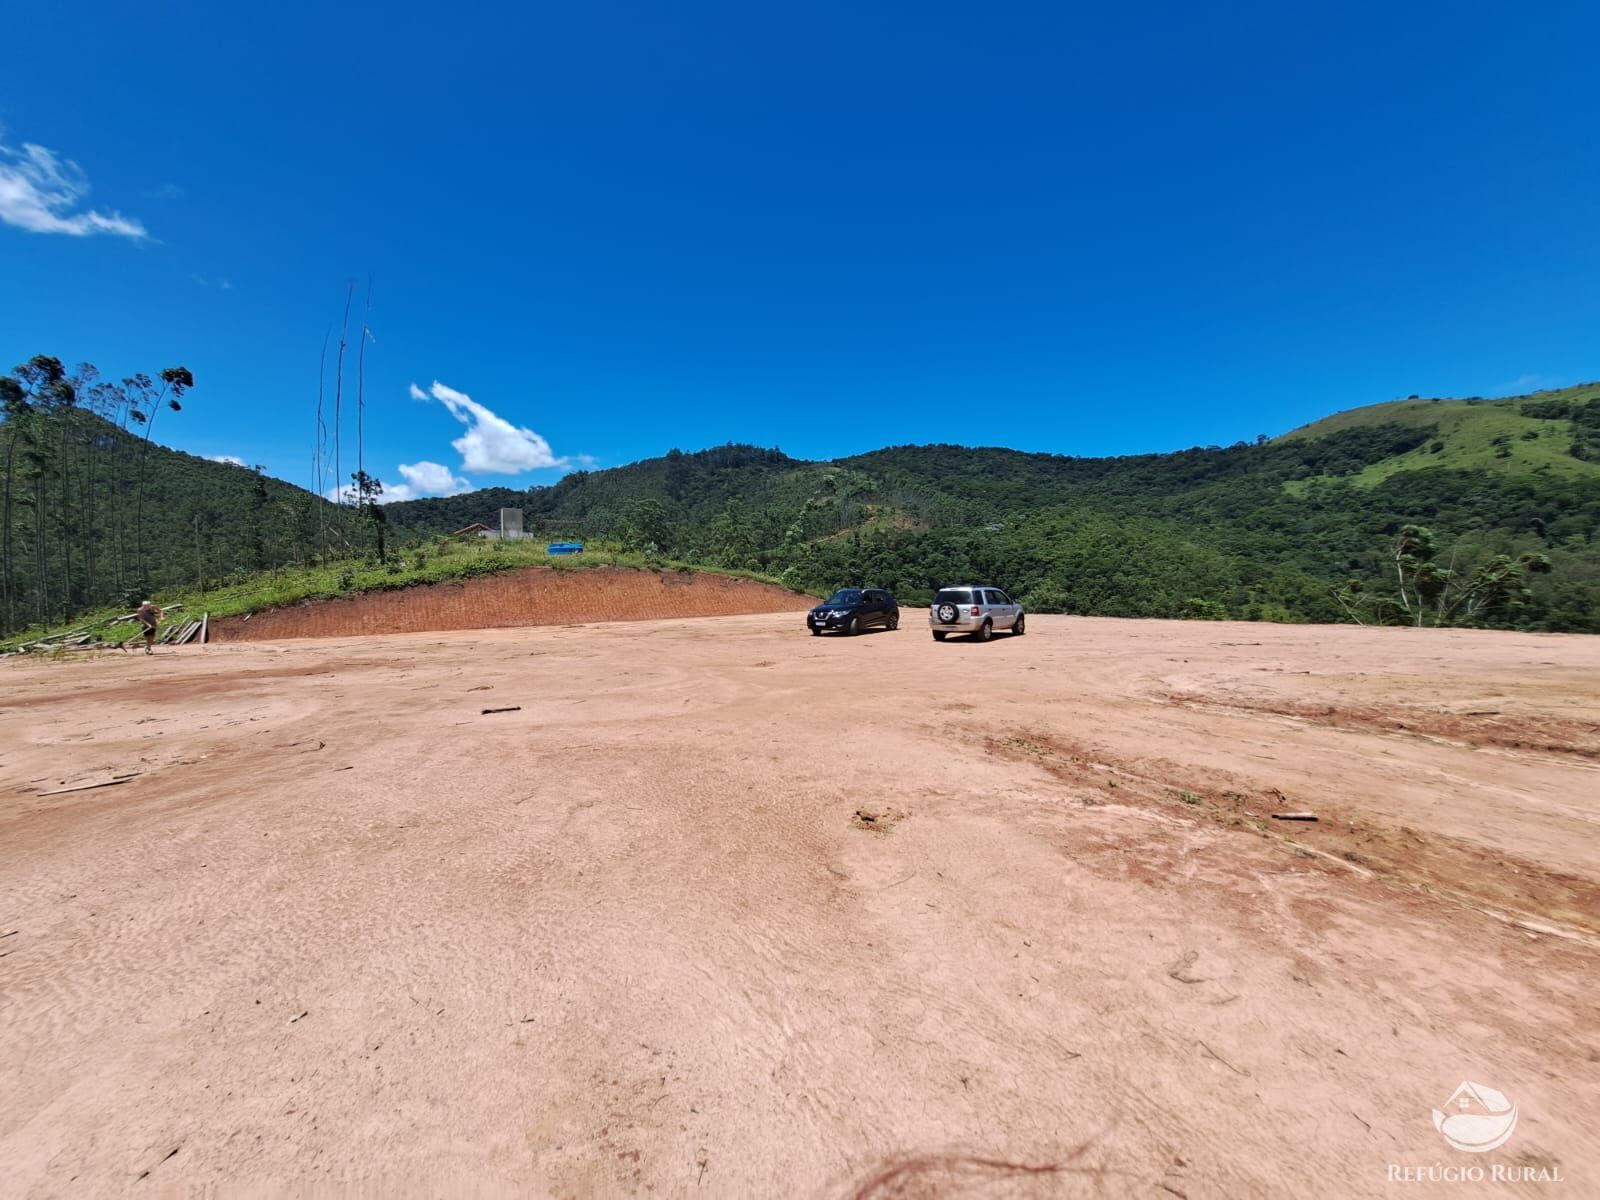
[725, 910]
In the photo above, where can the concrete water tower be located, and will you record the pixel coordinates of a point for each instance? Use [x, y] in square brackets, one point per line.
[511, 523]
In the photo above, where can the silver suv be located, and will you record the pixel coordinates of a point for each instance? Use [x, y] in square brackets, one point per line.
[975, 610]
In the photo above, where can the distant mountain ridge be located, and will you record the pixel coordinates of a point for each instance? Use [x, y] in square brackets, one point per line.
[1470, 432]
[1252, 530]
[1260, 530]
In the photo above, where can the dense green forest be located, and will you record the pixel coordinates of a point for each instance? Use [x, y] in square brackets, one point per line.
[1481, 512]
[94, 511]
[1274, 530]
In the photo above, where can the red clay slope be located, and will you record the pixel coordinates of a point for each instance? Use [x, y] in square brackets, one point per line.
[536, 596]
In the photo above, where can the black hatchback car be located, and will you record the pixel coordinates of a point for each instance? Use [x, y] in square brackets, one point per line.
[855, 609]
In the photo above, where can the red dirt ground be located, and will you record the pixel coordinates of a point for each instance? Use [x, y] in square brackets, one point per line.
[536, 596]
[725, 910]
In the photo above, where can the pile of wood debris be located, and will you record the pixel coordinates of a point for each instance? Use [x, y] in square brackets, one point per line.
[180, 633]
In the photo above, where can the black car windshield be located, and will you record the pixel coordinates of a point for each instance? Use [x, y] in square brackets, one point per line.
[845, 596]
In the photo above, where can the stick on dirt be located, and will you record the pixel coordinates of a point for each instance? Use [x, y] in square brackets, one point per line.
[512, 708]
[84, 787]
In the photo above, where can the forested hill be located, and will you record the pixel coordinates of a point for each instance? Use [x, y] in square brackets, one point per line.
[92, 514]
[1304, 527]
[1264, 530]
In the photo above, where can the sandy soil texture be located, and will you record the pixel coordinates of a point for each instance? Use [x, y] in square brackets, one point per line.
[725, 910]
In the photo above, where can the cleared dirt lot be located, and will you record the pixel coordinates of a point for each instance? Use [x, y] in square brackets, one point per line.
[727, 910]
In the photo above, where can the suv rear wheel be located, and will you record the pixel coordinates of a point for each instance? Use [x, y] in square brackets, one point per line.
[985, 631]
[939, 635]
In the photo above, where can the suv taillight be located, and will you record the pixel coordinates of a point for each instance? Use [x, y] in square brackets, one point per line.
[976, 611]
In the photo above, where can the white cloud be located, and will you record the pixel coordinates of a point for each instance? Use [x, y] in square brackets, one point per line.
[421, 479]
[232, 459]
[492, 443]
[38, 192]
[425, 479]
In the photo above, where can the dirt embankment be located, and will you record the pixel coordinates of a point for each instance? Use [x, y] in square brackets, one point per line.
[536, 596]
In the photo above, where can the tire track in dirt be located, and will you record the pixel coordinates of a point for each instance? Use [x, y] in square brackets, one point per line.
[1522, 893]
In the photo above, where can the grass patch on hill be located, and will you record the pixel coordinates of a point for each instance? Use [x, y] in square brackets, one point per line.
[1494, 436]
[285, 586]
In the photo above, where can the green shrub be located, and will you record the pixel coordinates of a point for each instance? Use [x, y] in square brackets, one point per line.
[1197, 609]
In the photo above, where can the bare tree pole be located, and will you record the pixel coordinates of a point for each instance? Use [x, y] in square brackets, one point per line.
[361, 383]
[88, 403]
[338, 392]
[319, 458]
[1399, 555]
[175, 381]
[1444, 592]
[119, 489]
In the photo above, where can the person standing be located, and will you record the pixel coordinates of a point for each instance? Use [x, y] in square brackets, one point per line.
[149, 617]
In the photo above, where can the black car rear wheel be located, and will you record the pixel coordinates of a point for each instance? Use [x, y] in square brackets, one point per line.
[894, 621]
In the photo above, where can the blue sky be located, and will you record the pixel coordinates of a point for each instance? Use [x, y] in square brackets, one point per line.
[826, 227]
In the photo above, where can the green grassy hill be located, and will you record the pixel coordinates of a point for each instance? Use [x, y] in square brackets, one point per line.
[1518, 436]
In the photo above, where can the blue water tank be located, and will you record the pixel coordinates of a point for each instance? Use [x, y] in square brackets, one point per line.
[564, 548]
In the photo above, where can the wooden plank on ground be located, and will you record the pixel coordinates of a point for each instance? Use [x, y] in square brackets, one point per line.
[85, 787]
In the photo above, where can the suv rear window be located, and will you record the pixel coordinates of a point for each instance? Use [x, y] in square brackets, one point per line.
[953, 596]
